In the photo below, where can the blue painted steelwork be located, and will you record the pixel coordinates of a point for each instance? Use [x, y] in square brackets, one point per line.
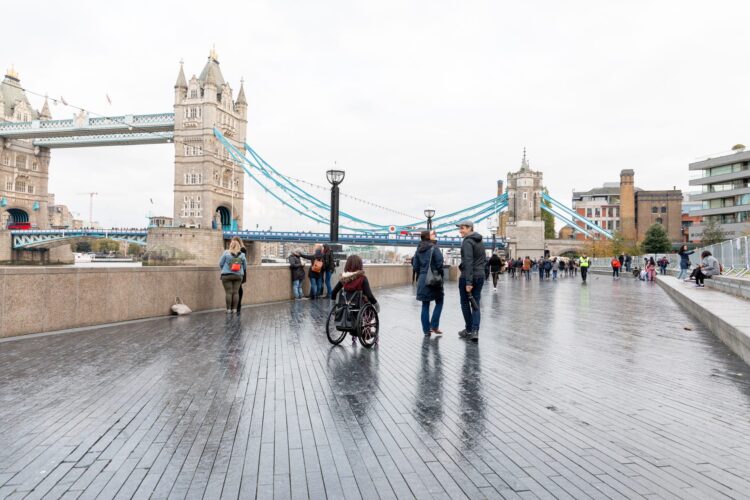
[345, 239]
[42, 237]
[569, 222]
[577, 216]
[93, 131]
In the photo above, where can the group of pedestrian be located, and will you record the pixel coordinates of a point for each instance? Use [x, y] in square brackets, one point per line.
[427, 263]
[322, 267]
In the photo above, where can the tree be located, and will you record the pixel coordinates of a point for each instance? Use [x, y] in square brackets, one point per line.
[712, 233]
[135, 249]
[656, 240]
[106, 246]
[82, 247]
[549, 220]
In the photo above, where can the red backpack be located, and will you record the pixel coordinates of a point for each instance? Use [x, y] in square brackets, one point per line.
[615, 263]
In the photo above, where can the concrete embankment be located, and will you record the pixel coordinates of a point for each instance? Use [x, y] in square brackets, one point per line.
[45, 299]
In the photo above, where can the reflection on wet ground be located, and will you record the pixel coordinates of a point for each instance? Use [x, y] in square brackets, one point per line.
[572, 392]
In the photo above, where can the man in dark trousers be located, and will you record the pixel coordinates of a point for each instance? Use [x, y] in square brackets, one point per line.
[473, 260]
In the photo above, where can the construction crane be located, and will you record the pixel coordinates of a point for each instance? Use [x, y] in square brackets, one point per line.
[91, 207]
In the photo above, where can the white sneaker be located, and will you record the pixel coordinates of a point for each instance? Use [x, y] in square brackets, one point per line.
[494, 289]
[229, 311]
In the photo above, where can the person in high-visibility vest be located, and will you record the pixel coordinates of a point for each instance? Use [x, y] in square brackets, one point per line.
[584, 265]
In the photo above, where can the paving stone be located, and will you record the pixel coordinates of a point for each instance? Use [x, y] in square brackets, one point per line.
[572, 392]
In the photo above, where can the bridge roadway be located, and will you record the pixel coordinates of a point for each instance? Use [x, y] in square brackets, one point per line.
[36, 238]
[572, 392]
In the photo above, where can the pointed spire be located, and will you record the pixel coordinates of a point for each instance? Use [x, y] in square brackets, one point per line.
[181, 81]
[524, 161]
[210, 76]
[241, 94]
[45, 113]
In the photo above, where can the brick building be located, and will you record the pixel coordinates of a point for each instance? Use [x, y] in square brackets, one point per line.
[622, 207]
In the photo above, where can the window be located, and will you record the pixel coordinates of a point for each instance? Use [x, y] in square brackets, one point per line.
[654, 210]
[525, 196]
[21, 186]
[663, 210]
[20, 161]
[194, 94]
[6, 159]
[30, 189]
[597, 212]
[659, 220]
[588, 213]
[34, 165]
[9, 185]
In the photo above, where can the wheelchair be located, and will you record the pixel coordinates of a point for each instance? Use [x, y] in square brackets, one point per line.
[352, 314]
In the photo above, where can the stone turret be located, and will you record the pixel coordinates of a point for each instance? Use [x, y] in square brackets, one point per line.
[208, 186]
[180, 86]
[525, 226]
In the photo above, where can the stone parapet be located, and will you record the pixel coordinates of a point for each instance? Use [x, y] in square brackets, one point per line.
[43, 299]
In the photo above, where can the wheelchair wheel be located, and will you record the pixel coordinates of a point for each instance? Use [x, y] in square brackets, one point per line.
[334, 336]
[368, 326]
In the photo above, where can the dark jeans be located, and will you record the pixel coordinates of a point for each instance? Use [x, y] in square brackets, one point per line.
[699, 276]
[433, 324]
[329, 288]
[584, 272]
[495, 275]
[541, 273]
[231, 283]
[471, 318]
[316, 286]
[615, 272]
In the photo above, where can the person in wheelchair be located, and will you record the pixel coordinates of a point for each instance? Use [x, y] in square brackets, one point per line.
[355, 287]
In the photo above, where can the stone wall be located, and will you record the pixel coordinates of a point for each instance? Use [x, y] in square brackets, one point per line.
[179, 245]
[43, 299]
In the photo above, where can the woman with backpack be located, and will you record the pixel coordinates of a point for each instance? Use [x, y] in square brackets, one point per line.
[298, 273]
[244, 274]
[233, 265]
[316, 271]
[329, 265]
[650, 269]
[428, 262]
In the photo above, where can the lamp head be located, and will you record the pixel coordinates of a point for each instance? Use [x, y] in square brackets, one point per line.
[335, 177]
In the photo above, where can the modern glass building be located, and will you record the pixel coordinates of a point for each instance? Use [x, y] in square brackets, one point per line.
[725, 192]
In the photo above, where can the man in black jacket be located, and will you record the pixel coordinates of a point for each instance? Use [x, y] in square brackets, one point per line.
[473, 259]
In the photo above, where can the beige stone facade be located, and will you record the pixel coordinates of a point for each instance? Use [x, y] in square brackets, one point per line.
[24, 168]
[208, 184]
[524, 227]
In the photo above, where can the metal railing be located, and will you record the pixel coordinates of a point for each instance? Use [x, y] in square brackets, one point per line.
[733, 255]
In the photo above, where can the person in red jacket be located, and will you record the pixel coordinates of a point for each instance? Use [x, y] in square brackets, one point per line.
[616, 268]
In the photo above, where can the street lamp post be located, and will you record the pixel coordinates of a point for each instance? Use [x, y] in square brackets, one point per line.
[335, 177]
[429, 212]
[493, 230]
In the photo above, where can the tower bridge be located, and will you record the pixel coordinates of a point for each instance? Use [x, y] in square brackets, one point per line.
[207, 128]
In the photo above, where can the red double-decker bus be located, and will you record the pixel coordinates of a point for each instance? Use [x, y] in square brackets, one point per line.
[19, 225]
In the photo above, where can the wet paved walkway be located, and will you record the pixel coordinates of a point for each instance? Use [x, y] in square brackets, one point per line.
[572, 392]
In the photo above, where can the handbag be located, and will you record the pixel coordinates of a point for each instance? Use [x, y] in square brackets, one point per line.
[179, 308]
[433, 278]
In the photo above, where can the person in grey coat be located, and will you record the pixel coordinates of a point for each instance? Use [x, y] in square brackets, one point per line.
[298, 272]
[709, 267]
[429, 256]
[473, 260]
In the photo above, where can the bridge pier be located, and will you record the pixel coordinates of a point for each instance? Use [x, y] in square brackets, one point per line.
[184, 246]
[6, 246]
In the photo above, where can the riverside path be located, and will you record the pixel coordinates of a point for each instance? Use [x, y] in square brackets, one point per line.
[604, 391]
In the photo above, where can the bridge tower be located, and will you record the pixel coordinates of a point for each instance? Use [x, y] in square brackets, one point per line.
[525, 226]
[208, 186]
[24, 168]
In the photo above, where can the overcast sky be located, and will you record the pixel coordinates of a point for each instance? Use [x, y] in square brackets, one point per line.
[421, 102]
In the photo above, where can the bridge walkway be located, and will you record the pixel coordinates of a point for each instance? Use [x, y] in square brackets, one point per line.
[604, 391]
